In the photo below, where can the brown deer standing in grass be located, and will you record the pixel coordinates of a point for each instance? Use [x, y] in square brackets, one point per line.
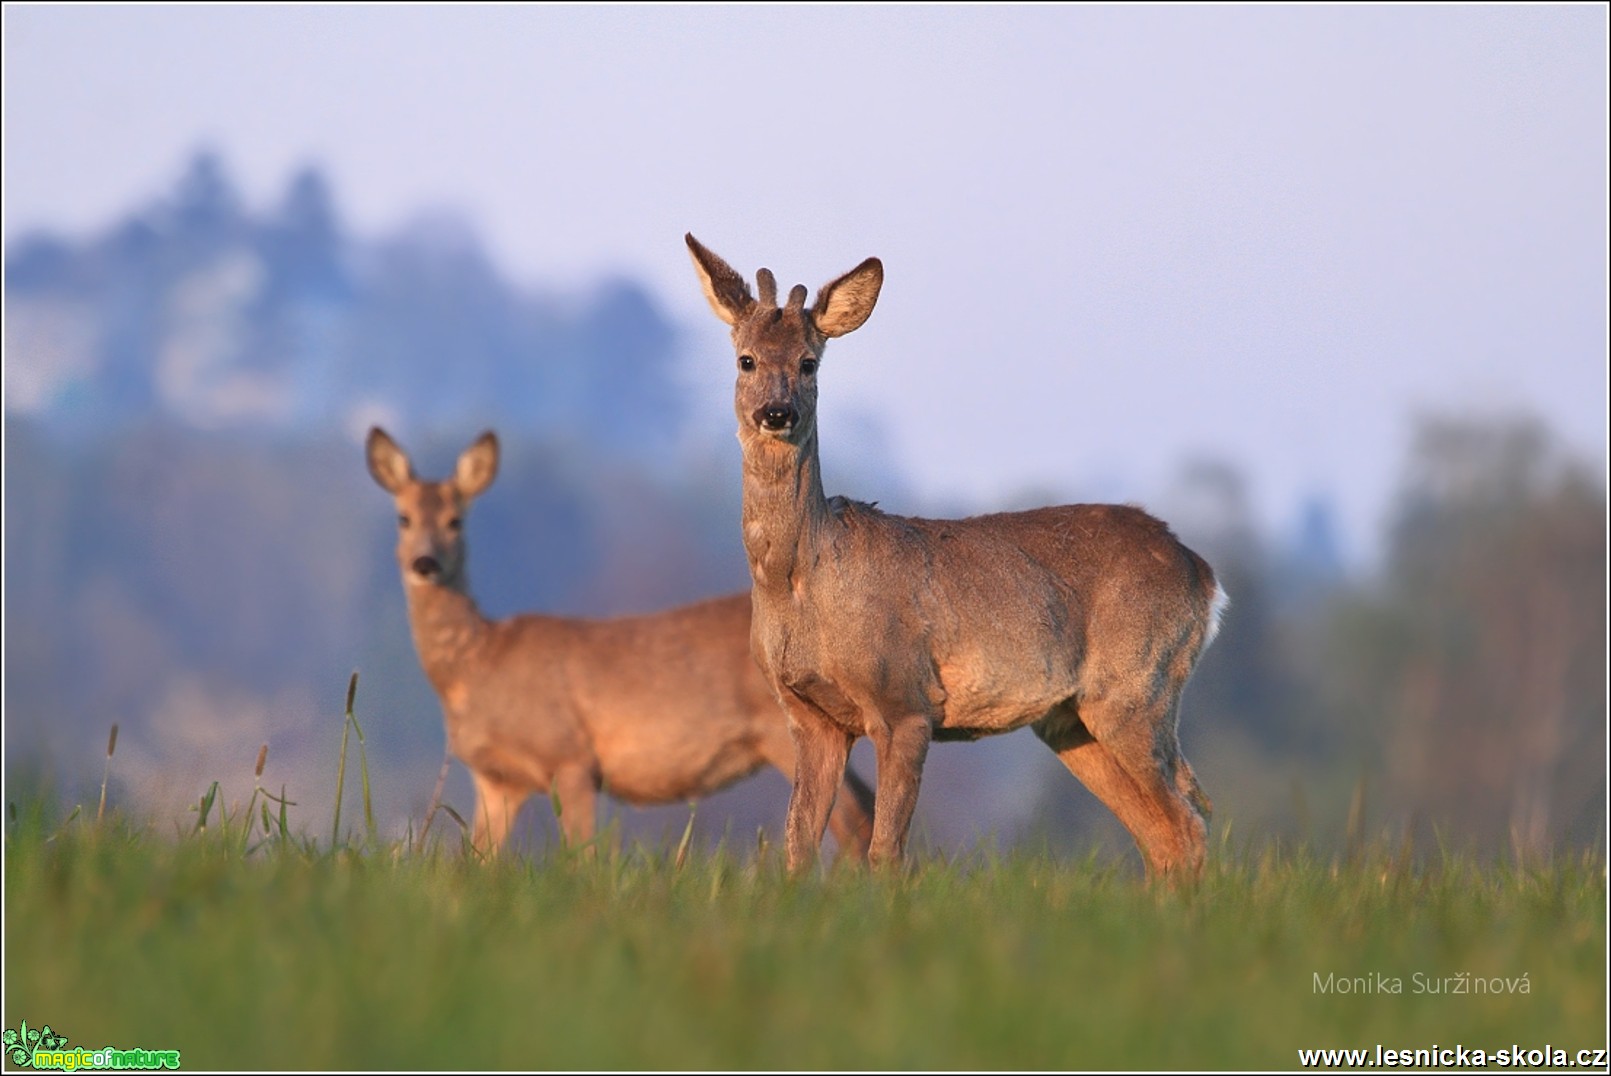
[655, 709]
[1082, 622]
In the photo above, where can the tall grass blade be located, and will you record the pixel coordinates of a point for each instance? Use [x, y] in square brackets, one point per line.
[257, 790]
[249, 821]
[687, 839]
[106, 774]
[371, 834]
[69, 821]
[341, 764]
[436, 795]
[1354, 833]
[370, 829]
[205, 807]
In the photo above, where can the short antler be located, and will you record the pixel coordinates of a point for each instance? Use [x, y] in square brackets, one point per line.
[768, 285]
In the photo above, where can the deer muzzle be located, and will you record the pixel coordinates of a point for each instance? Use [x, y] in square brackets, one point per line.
[775, 417]
[427, 567]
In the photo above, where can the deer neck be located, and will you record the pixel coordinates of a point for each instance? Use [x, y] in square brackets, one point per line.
[447, 626]
[785, 513]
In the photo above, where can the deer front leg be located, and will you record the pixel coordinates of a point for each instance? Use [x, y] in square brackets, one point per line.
[851, 820]
[575, 788]
[821, 752]
[496, 804]
[900, 747]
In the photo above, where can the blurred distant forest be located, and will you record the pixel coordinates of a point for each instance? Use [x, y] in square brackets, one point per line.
[194, 550]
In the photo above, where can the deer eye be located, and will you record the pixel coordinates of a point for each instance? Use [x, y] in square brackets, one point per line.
[455, 523]
[746, 363]
[403, 520]
[808, 366]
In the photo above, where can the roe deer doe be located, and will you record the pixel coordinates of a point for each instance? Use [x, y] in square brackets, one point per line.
[1083, 621]
[652, 709]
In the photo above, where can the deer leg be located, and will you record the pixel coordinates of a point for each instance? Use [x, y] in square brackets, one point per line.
[576, 790]
[1149, 752]
[1186, 782]
[1122, 771]
[851, 819]
[1100, 772]
[821, 750]
[901, 747]
[496, 804]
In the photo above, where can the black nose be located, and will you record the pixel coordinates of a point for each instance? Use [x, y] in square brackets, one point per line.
[775, 416]
[427, 567]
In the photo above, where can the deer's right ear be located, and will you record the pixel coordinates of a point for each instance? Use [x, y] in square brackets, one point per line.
[478, 466]
[388, 464]
[725, 290]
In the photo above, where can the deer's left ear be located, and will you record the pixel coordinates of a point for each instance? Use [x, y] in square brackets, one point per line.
[478, 466]
[843, 305]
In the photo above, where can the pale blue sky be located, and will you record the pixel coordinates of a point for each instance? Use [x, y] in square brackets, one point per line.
[1112, 237]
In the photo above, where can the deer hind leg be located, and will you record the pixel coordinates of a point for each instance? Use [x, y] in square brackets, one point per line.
[1135, 769]
[496, 804]
[901, 746]
[1186, 782]
[821, 752]
[1144, 743]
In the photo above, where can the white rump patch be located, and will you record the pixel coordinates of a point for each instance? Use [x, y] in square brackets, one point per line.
[1216, 610]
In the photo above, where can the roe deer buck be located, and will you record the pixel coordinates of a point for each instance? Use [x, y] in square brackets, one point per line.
[1083, 621]
[652, 708]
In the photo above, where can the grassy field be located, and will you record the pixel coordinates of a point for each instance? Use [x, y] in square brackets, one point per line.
[295, 956]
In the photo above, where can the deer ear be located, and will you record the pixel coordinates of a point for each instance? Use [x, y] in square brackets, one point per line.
[478, 466]
[725, 290]
[844, 304]
[388, 464]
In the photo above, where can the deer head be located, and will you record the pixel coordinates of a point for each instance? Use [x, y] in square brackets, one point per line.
[779, 348]
[430, 515]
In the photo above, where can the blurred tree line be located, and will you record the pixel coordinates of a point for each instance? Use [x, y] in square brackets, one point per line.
[1471, 674]
[194, 550]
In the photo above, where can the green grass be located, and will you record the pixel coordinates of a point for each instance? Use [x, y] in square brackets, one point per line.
[375, 957]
